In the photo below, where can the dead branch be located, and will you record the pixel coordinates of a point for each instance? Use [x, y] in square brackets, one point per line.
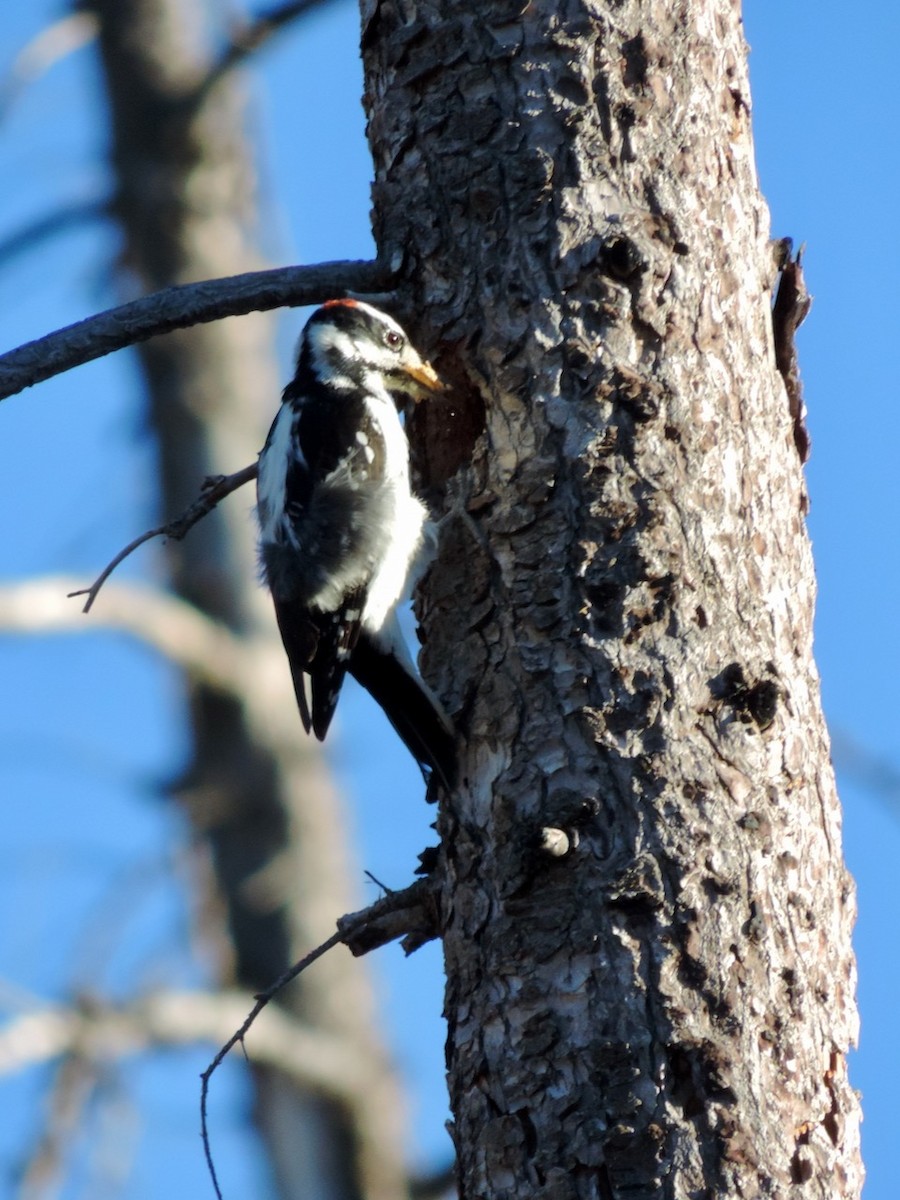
[206, 649]
[74, 1087]
[866, 766]
[398, 914]
[250, 668]
[410, 914]
[261, 1001]
[30, 236]
[94, 1031]
[180, 306]
[213, 489]
[247, 39]
[48, 46]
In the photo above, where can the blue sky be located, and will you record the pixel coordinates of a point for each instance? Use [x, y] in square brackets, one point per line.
[83, 770]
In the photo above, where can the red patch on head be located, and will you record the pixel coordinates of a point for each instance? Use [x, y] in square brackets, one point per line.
[332, 303]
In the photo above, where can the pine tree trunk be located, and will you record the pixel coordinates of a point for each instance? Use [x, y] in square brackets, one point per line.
[621, 613]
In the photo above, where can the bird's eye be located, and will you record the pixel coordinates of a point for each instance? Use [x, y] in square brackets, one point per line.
[393, 339]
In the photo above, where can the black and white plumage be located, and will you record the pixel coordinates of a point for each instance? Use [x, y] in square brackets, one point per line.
[341, 532]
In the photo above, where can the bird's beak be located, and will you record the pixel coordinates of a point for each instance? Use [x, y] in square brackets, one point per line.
[425, 376]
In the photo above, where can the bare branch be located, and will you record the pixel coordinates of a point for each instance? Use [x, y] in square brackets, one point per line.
[52, 43]
[95, 1033]
[181, 306]
[213, 489]
[250, 668]
[93, 591]
[866, 767]
[74, 1087]
[410, 914]
[35, 1037]
[30, 236]
[248, 39]
[100, 1032]
[204, 648]
[398, 912]
[261, 1001]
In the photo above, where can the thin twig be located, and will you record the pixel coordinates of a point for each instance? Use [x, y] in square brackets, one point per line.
[383, 886]
[30, 236]
[410, 904]
[180, 306]
[214, 489]
[261, 1001]
[249, 38]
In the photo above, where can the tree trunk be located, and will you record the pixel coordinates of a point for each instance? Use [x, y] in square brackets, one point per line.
[257, 792]
[658, 1004]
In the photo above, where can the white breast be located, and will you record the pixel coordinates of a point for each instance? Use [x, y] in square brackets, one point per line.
[390, 582]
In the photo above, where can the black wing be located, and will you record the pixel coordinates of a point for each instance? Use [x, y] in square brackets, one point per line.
[323, 494]
[335, 505]
[318, 647]
[334, 510]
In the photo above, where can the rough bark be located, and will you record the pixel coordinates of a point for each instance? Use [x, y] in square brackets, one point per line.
[664, 1010]
[257, 793]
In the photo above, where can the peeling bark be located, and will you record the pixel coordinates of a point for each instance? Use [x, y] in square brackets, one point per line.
[621, 613]
[789, 310]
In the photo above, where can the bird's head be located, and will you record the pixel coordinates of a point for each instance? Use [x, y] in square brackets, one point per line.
[350, 345]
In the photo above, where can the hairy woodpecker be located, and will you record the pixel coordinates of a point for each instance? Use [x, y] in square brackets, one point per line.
[341, 533]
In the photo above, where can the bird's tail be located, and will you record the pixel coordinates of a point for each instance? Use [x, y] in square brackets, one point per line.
[409, 706]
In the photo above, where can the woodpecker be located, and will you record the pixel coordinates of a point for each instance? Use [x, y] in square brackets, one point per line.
[342, 536]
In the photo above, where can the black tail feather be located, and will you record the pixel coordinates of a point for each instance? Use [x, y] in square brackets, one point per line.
[317, 647]
[424, 730]
[300, 639]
